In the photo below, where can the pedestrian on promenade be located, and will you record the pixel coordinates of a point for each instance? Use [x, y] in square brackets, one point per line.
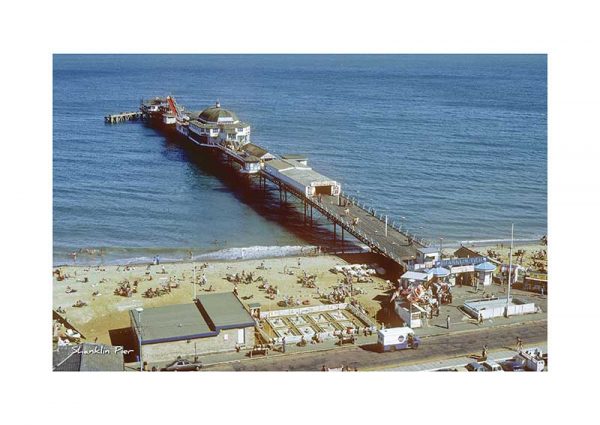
[448, 322]
[519, 344]
[480, 319]
[283, 345]
[484, 352]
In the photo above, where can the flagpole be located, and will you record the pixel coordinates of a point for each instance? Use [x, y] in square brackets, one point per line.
[512, 229]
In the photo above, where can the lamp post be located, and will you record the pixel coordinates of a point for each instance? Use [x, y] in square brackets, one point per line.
[386, 225]
[139, 312]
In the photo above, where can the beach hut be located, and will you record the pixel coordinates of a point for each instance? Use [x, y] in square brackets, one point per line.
[484, 272]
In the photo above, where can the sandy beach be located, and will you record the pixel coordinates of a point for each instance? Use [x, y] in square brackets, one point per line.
[107, 311]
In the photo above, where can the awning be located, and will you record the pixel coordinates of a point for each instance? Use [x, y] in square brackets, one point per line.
[485, 267]
[440, 272]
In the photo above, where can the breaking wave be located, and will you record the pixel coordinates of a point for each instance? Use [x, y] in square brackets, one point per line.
[177, 256]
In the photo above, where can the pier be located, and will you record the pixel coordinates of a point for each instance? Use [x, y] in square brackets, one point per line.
[221, 131]
[122, 117]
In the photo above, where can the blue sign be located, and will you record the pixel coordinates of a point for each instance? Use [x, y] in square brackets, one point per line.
[461, 262]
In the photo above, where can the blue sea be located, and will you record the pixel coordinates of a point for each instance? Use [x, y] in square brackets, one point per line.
[451, 146]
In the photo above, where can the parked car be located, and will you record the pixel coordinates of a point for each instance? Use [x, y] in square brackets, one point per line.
[492, 366]
[182, 365]
[475, 367]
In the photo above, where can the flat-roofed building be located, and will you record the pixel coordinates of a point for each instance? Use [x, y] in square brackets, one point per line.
[301, 177]
[214, 323]
[426, 254]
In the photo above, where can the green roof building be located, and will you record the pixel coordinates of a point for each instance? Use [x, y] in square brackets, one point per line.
[213, 323]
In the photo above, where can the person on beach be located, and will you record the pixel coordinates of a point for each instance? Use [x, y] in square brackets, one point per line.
[283, 345]
[448, 322]
[519, 344]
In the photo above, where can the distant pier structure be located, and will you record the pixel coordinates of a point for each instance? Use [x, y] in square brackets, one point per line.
[220, 130]
[123, 116]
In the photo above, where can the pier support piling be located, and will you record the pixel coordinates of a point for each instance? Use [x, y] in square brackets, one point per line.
[304, 212]
[334, 234]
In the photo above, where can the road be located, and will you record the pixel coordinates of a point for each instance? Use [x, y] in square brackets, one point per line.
[365, 358]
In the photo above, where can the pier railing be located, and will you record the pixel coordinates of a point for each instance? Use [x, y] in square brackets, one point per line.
[381, 217]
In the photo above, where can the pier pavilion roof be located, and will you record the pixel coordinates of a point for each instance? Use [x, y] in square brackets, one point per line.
[214, 114]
